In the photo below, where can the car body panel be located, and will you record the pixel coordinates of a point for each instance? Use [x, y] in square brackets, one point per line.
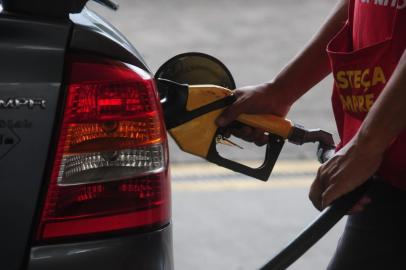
[32, 58]
[33, 52]
[44, 8]
[91, 33]
[148, 251]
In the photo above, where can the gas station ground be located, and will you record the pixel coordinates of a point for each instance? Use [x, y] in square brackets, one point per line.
[206, 177]
[221, 219]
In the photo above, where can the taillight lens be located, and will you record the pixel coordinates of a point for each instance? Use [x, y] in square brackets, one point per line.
[110, 169]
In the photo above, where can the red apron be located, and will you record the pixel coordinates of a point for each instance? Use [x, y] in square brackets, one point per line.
[360, 75]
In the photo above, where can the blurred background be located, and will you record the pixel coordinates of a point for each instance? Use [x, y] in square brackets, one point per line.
[223, 220]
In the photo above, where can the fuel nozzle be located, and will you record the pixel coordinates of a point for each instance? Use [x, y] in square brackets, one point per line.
[300, 135]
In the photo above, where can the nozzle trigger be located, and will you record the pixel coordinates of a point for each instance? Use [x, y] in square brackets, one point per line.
[222, 140]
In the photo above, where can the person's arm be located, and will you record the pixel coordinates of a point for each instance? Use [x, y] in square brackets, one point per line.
[312, 64]
[308, 68]
[361, 157]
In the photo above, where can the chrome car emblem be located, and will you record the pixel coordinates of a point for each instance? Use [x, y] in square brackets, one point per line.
[16, 103]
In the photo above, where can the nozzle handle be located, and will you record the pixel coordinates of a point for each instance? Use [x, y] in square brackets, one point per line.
[269, 123]
[263, 172]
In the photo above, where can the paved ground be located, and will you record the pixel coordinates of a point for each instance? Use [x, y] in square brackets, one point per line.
[223, 221]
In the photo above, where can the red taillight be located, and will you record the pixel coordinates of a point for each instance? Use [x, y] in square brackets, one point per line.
[110, 170]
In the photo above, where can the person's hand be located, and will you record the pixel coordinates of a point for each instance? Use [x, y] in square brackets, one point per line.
[349, 168]
[259, 99]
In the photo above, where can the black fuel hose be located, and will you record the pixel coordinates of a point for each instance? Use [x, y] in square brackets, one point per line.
[317, 229]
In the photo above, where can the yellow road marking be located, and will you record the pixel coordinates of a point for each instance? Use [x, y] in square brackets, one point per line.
[235, 184]
[204, 169]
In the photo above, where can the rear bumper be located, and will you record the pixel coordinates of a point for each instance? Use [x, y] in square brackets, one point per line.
[149, 251]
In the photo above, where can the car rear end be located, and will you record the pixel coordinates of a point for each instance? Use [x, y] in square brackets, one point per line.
[84, 179]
